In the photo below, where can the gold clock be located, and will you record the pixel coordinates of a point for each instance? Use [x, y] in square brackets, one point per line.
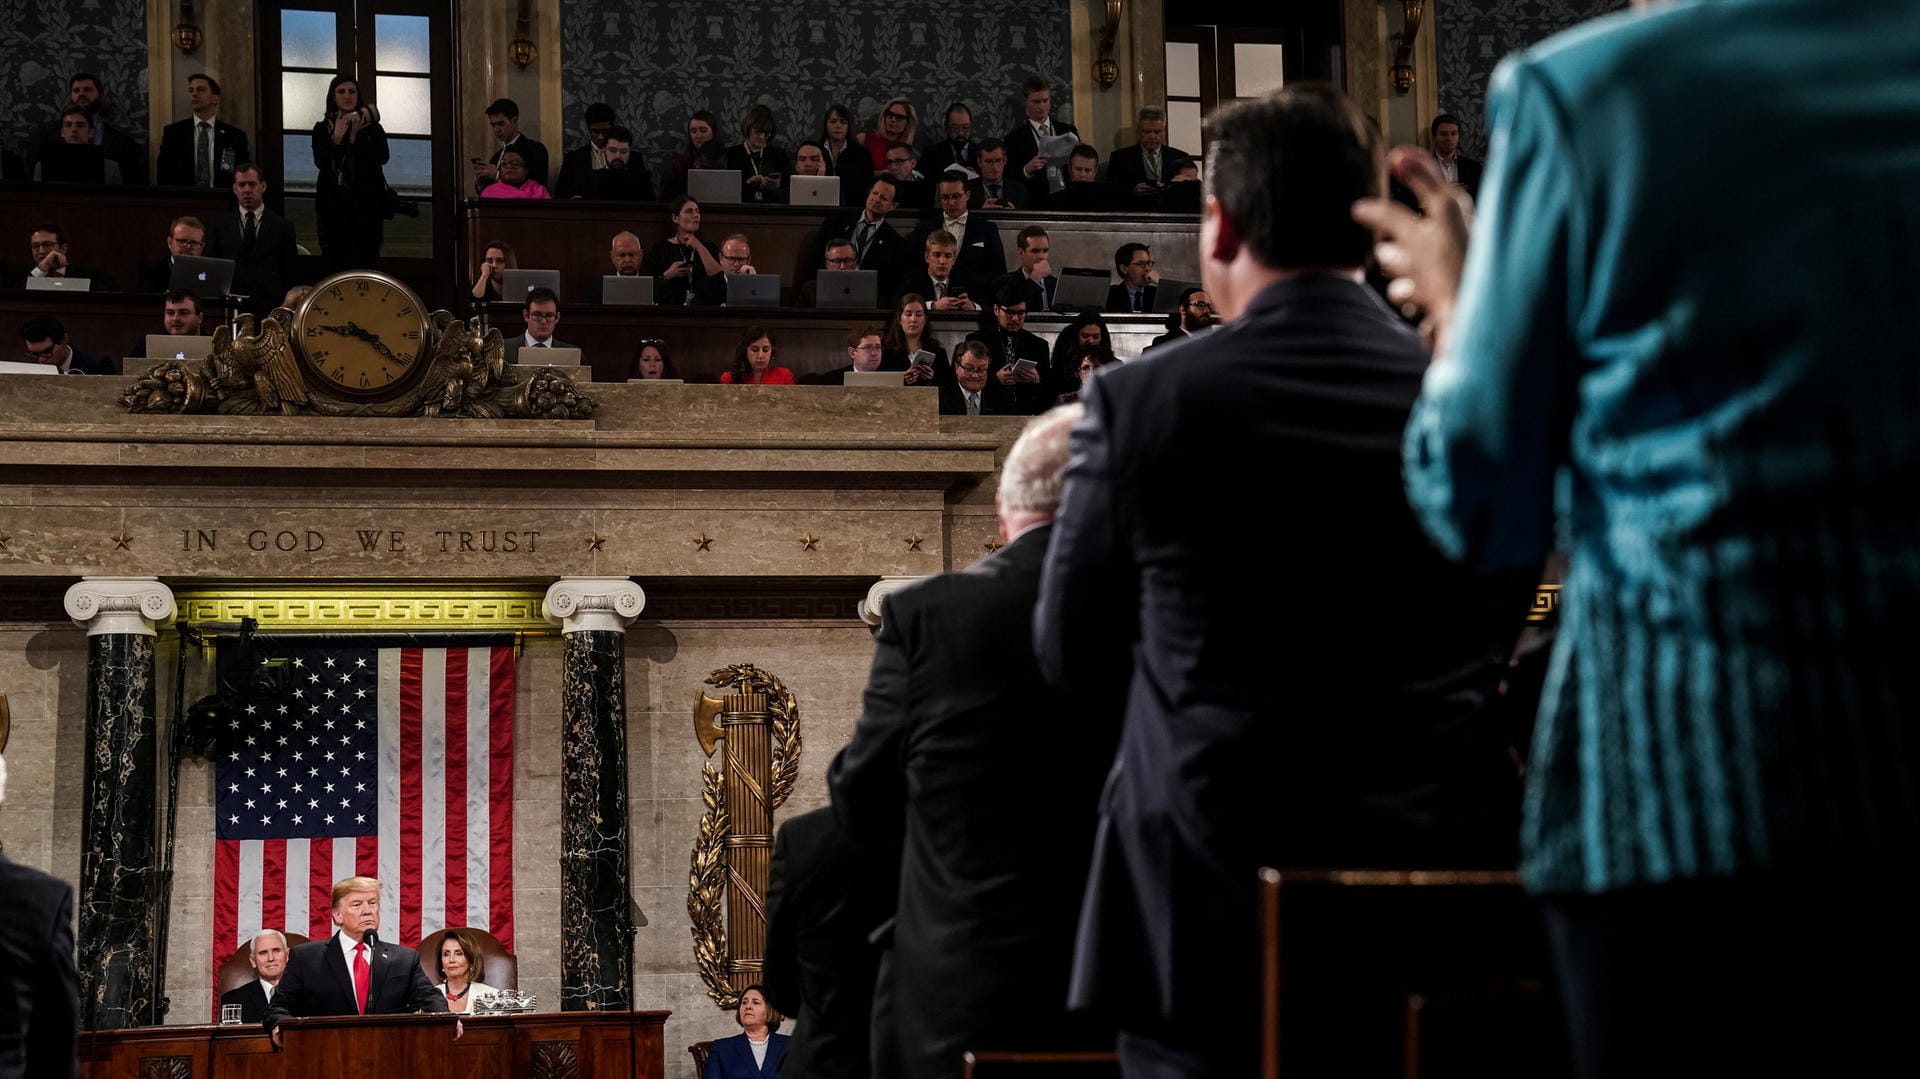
[361, 335]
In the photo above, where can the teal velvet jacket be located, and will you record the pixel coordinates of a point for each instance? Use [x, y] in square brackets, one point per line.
[1687, 350]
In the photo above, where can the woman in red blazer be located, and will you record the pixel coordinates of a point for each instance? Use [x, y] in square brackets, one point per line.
[753, 362]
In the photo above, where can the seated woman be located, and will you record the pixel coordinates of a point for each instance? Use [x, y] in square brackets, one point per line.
[682, 260]
[499, 258]
[1087, 328]
[461, 969]
[755, 1052]
[906, 337]
[846, 158]
[763, 167]
[896, 125]
[650, 360]
[1084, 361]
[753, 362]
[700, 128]
[514, 183]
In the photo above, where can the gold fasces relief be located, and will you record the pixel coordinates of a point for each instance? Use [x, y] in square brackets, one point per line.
[758, 723]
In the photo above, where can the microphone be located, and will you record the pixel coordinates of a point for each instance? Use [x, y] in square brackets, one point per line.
[370, 939]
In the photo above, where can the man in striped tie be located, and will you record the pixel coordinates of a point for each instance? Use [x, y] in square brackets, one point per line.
[352, 972]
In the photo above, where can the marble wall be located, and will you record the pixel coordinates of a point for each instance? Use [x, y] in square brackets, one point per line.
[1471, 36]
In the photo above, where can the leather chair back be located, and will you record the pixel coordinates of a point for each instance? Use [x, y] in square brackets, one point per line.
[500, 968]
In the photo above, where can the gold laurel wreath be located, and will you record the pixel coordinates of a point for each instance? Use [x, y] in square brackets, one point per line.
[786, 724]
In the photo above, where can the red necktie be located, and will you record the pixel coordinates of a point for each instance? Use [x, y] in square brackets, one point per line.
[362, 975]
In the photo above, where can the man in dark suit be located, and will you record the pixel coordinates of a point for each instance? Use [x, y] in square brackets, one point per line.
[826, 896]
[841, 255]
[972, 392]
[880, 248]
[503, 117]
[1141, 172]
[935, 282]
[981, 258]
[185, 236]
[957, 149]
[995, 190]
[48, 245]
[120, 147]
[1034, 278]
[1084, 191]
[863, 354]
[259, 241]
[267, 954]
[624, 178]
[1192, 317]
[1454, 165]
[346, 974]
[1034, 384]
[542, 315]
[45, 338]
[202, 150]
[180, 316]
[1023, 142]
[1139, 281]
[1268, 719]
[580, 163]
[959, 750]
[39, 985]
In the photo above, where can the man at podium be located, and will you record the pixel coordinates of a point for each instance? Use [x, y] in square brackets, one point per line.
[352, 972]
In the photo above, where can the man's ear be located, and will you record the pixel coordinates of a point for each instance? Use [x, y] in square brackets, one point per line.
[1220, 238]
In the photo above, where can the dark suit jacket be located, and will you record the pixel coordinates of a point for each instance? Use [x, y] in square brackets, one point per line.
[576, 168]
[1013, 190]
[531, 150]
[117, 145]
[1034, 397]
[155, 276]
[1039, 294]
[886, 253]
[251, 998]
[1358, 743]
[1127, 169]
[981, 259]
[1085, 196]
[918, 282]
[955, 715]
[39, 986]
[825, 897]
[85, 364]
[1021, 147]
[995, 400]
[1469, 171]
[1118, 300]
[854, 166]
[264, 273]
[518, 341]
[631, 184]
[732, 1058]
[945, 154]
[176, 162]
[317, 982]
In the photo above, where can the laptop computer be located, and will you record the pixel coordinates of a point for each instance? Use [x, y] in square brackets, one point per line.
[1166, 295]
[21, 367]
[813, 191]
[847, 288]
[61, 162]
[1081, 287]
[166, 346]
[628, 291]
[515, 284]
[894, 379]
[204, 277]
[753, 290]
[60, 284]
[550, 357]
[714, 185]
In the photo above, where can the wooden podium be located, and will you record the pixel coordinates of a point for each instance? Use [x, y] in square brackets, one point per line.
[550, 1045]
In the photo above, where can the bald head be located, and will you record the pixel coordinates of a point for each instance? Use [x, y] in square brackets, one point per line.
[625, 252]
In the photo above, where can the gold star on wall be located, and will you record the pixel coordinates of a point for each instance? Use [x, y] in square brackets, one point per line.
[121, 541]
[704, 543]
[991, 545]
[808, 542]
[914, 541]
[595, 541]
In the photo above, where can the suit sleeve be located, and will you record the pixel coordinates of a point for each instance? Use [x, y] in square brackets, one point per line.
[868, 778]
[782, 971]
[421, 993]
[1491, 426]
[170, 165]
[1083, 624]
[56, 1004]
[290, 996]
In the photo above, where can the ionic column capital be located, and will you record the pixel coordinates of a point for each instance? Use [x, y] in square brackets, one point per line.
[869, 608]
[120, 605]
[579, 604]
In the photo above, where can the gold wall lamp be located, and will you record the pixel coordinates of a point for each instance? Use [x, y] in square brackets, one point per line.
[187, 35]
[1106, 70]
[1402, 72]
[521, 50]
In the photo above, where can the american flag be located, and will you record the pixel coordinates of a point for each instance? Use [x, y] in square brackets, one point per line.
[385, 761]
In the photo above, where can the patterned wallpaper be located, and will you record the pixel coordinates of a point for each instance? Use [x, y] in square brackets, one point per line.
[42, 45]
[658, 61]
[1470, 37]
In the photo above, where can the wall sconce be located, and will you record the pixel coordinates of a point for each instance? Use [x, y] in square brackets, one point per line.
[1106, 71]
[186, 32]
[521, 49]
[1402, 72]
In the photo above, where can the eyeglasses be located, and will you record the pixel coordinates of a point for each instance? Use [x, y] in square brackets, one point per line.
[1200, 305]
[734, 258]
[866, 348]
[190, 244]
[899, 160]
[1144, 264]
[543, 316]
[38, 353]
[891, 115]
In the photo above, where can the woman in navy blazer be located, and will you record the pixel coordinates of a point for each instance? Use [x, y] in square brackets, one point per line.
[734, 1058]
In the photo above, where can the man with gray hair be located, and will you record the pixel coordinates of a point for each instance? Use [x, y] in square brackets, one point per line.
[1141, 172]
[267, 954]
[39, 986]
[955, 718]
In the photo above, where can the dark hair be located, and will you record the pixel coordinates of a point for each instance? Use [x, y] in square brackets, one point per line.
[470, 947]
[713, 125]
[513, 261]
[212, 83]
[542, 294]
[1069, 338]
[809, 142]
[660, 346]
[894, 338]
[757, 118]
[951, 176]
[1187, 294]
[743, 371]
[972, 346]
[513, 153]
[180, 296]
[774, 1018]
[599, 113]
[1010, 295]
[679, 203]
[958, 106]
[75, 110]
[861, 333]
[1085, 150]
[845, 114]
[839, 241]
[504, 106]
[1102, 356]
[883, 178]
[620, 133]
[1287, 169]
[989, 145]
[43, 328]
[1033, 85]
[1124, 256]
[1444, 118]
[59, 234]
[338, 81]
[86, 76]
[248, 166]
[1029, 233]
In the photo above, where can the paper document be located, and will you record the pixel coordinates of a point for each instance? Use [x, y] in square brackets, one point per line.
[1058, 148]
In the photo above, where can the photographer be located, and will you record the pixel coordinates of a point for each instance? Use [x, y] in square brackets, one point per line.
[350, 195]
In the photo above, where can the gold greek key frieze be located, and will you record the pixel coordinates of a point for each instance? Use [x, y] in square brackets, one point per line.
[1546, 603]
[387, 609]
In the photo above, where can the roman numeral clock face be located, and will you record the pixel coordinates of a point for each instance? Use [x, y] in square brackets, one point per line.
[362, 334]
